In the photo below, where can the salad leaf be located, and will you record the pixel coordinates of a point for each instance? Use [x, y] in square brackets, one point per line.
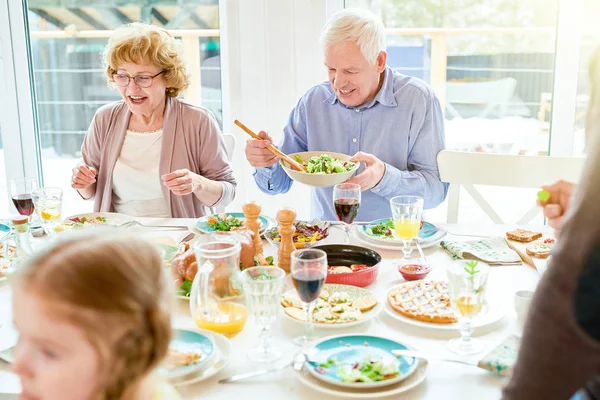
[384, 229]
[224, 223]
[185, 288]
[543, 195]
[325, 164]
[369, 371]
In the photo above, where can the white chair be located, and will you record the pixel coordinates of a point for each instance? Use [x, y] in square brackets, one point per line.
[468, 169]
[230, 142]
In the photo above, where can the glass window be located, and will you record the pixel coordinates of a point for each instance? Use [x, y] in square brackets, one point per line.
[589, 43]
[70, 84]
[491, 63]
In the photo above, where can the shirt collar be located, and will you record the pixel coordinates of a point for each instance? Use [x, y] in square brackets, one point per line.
[385, 96]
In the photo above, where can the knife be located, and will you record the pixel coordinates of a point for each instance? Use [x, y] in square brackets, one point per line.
[252, 374]
[416, 354]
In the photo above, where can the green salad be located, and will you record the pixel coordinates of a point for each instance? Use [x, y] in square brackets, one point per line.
[383, 230]
[325, 164]
[367, 370]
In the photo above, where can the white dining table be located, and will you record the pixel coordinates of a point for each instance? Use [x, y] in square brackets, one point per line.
[444, 380]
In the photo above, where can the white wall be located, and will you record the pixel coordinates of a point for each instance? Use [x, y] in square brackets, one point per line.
[273, 56]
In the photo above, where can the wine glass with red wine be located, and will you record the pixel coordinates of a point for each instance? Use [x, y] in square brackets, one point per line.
[20, 192]
[346, 201]
[309, 270]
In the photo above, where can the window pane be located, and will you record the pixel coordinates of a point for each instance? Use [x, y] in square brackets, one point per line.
[490, 61]
[589, 43]
[5, 209]
[70, 82]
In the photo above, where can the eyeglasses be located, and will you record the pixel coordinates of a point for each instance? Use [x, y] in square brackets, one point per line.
[143, 81]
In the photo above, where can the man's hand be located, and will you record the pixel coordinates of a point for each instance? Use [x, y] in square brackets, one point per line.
[256, 151]
[373, 173]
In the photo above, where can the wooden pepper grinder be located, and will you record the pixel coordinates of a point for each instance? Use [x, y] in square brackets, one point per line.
[286, 218]
[251, 212]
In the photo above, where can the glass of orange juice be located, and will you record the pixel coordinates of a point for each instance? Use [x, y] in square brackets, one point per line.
[406, 215]
[217, 301]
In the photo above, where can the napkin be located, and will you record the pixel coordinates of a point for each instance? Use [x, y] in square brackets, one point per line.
[503, 357]
[493, 251]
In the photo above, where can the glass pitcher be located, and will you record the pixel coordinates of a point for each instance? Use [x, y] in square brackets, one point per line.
[217, 301]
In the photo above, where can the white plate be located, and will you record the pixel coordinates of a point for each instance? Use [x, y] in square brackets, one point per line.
[492, 315]
[409, 383]
[434, 240]
[114, 219]
[354, 292]
[216, 365]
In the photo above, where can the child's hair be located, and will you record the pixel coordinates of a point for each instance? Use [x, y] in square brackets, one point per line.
[116, 291]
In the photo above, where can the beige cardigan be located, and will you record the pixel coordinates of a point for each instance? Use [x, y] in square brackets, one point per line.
[191, 140]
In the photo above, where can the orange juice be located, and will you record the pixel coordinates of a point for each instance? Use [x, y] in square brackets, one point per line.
[225, 318]
[468, 305]
[406, 229]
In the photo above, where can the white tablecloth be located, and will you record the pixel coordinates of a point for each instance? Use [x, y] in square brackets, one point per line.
[444, 380]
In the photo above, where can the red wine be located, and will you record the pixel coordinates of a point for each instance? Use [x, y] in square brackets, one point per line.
[346, 209]
[23, 203]
[308, 284]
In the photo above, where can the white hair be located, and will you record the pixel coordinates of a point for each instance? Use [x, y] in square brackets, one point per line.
[356, 25]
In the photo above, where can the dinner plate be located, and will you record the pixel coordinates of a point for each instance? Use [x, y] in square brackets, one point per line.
[491, 313]
[428, 233]
[348, 350]
[112, 219]
[392, 391]
[388, 246]
[189, 341]
[354, 292]
[220, 360]
[4, 230]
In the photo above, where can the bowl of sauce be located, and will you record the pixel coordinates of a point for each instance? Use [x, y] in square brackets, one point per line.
[414, 271]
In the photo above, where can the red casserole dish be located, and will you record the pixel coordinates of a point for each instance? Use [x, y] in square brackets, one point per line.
[339, 255]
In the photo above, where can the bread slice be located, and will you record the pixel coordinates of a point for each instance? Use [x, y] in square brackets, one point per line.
[365, 303]
[522, 235]
[540, 249]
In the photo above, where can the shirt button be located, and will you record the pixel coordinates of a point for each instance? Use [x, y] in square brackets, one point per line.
[354, 140]
[357, 109]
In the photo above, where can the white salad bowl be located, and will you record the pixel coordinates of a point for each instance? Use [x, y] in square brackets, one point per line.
[320, 179]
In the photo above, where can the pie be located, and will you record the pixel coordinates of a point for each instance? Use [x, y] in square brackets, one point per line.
[423, 301]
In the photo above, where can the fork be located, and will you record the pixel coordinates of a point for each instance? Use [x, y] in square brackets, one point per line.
[131, 224]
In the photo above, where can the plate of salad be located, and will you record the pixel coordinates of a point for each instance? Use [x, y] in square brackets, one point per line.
[322, 168]
[307, 234]
[226, 222]
[359, 361]
[93, 219]
[381, 231]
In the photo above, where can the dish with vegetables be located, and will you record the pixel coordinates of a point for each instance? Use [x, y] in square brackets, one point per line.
[325, 164]
[359, 361]
[227, 222]
[306, 234]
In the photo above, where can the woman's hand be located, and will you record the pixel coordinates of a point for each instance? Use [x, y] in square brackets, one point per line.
[182, 182]
[83, 177]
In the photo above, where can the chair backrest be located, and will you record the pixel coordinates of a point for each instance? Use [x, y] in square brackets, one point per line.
[468, 169]
[230, 142]
[492, 94]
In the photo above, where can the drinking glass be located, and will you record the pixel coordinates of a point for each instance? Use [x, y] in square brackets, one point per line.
[20, 192]
[263, 287]
[406, 215]
[309, 270]
[48, 205]
[467, 280]
[346, 201]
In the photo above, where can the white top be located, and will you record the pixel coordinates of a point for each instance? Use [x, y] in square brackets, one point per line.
[136, 181]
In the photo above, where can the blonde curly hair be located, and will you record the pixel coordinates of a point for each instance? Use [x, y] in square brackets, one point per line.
[115, 289]
[140, 43]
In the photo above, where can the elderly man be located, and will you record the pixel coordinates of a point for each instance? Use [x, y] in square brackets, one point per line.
[391, 123]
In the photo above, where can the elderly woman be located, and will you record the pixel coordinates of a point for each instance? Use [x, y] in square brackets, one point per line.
[151, 154]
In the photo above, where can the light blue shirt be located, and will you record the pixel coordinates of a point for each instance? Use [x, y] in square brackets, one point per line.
[403, 126]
